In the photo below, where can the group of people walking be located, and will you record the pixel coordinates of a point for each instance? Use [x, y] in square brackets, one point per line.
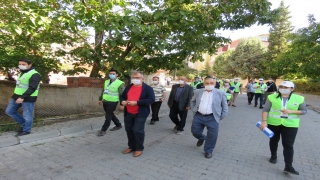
[208, 101]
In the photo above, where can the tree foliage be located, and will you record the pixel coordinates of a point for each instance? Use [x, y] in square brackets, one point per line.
[148, 34]
[303, 57]
[278, 43]
[222, 67]
[247, 58]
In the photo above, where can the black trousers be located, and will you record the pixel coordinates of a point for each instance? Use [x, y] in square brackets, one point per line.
[174, 112]
[258, 96]
[288, 136]
[155, 107]
[135, 131]
[250, 97]
[109, 108]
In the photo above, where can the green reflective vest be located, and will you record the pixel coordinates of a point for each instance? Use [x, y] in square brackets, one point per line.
[274, 115]
[194, 86]
[22, 83]
[259, 88]
[236, 86]
[225, 91]
[111, 91]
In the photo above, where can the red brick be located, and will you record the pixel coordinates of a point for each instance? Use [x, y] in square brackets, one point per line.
[73, 85]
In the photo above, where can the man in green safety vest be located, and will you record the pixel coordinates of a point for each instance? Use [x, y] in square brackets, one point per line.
[260, 88]
[236, 84]
[25, 95]
[282, 116]
[195, 83]
[109, 98]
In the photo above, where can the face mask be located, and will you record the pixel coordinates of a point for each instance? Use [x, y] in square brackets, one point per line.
[196, 81]
[226, 84]
[155, 82]
[285, 91]
[181, 82]
[209, 88]
[270, 81]
[135, 81]
[22, 67]
[260, 82]
[112, 76]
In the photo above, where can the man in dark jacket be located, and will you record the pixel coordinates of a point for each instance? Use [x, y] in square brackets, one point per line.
[25, 95]
[179, 103]
[136, 99]
[271, 89]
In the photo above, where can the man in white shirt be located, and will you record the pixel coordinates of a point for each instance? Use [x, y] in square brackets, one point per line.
[209, 106]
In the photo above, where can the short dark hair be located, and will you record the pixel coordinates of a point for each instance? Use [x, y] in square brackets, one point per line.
[113, 70]
[28, 61]
[155, 77]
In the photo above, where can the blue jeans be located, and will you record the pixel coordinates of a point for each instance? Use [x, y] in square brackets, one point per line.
[26, 119]
[135, 131]
[198, 124]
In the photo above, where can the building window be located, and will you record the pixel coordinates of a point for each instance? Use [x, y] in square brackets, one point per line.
[264, 38]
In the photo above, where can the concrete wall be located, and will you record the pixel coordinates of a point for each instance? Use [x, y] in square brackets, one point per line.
[56, 100]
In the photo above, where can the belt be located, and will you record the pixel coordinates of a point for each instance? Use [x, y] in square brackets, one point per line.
[204, 114]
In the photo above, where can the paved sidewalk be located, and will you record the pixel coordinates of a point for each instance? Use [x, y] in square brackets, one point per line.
[242, 151]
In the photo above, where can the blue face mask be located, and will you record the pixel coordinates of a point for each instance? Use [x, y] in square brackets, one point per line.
[112, 76]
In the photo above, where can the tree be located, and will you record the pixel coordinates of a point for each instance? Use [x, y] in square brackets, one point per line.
[207, 70]
[247, 58]
[222, 67]
[29, 30]
[302, 60]
[148, 34]
[278, 43]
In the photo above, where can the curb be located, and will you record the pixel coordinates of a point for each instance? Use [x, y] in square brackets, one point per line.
[62, 132]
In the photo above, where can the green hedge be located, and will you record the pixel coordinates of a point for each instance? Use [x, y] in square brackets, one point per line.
[307, 86]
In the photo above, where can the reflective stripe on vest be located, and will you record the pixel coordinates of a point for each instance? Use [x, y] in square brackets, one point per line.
[259, 90]
[236, 86]
[274, 115]
[22, 84]
[111, 92]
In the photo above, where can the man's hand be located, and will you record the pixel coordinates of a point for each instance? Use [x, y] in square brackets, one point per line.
[286, 111]
[124, 103]
[121, 108]
[263, 125]
[188, 107]
[19, 101]
[100, 103]
[132, 103]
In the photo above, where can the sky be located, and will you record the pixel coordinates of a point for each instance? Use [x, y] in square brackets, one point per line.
[299, 10]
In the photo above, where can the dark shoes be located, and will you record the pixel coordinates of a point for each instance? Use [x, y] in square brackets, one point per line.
[273, 159]
[208, 155]
[255, 105]
[290, 170]
[20, 130]
[200, 142]
[175, 128]
[115, 128]
[22, 133]
[234, 105]
[261, 107]
[101, 133]
[152, 122]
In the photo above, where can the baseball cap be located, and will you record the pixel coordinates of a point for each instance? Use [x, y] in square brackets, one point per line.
[287, 84]
[261, 79]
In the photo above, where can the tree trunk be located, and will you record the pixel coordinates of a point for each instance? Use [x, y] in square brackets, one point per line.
[97, 57]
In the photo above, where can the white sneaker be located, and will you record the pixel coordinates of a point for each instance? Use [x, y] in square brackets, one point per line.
[179, 132]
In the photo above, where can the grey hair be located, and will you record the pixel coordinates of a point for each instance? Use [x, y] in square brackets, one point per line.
[137, 72]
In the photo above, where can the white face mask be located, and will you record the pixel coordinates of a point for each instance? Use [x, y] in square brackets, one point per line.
[181, 82]
[285, 91]
[136, 81]
[209, 88]
[270, 81]
[22, 67]
[155, 82]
